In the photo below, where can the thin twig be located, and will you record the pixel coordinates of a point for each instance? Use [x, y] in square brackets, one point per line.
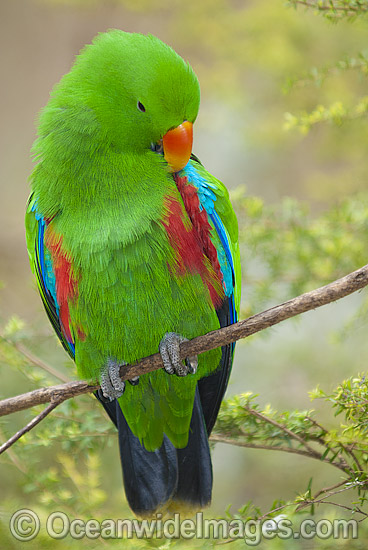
[316, 424]
[357, 510]
[36, 420]
[311, 452]
[327, 489]
[13, 457]
[349, 451]
[346, 488]
[283, 428]
[322, 500]
[23, 350]
[238, 443]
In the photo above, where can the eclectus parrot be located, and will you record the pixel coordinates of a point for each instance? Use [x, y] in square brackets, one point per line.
[134, 246]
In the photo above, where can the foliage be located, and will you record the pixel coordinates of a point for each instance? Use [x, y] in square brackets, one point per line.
[337, 112]
[334, 9]
[242, 422]
[287, 249]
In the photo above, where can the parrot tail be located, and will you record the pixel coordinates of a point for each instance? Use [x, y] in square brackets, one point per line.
[168, 479]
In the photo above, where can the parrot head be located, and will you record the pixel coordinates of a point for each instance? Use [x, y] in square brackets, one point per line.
[143, 95]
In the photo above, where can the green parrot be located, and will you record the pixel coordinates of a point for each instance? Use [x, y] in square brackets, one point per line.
[135, 249]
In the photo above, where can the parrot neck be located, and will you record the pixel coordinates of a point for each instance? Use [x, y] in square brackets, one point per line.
[86, 182]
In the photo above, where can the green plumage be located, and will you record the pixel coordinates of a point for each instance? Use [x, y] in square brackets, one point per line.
[106, 196]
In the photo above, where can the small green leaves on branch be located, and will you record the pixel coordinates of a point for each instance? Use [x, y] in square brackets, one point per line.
[318, 75]
[337, 113]
[242, 422]
[334, 9]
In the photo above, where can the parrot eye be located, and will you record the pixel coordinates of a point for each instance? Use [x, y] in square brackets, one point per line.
[157, 147]
[141, 107]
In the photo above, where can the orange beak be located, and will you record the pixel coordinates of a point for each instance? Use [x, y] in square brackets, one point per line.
[177, 144]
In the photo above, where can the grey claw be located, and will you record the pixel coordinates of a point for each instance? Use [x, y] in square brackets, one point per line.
[134, 381]
[169, 349]
[101, 396]
[192, 363]
[112, 385]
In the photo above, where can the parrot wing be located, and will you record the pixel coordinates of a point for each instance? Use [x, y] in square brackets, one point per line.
[214, 199]
[43, 265]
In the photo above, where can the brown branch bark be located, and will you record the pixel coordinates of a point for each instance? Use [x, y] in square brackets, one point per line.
[305, 302]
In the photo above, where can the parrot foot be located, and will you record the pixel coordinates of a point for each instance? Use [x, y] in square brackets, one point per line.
[112, 385]
[169, 349]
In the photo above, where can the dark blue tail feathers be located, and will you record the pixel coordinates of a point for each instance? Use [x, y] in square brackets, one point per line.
[152, 480]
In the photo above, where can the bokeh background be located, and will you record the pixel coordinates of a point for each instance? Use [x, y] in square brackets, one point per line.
[244, 52]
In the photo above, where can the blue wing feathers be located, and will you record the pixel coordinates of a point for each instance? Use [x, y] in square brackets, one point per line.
[207, 200]
[46, 281]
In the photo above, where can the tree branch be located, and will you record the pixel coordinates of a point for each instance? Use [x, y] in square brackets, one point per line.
[305, 302]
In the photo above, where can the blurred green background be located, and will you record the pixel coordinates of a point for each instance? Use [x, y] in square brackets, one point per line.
[244, 53]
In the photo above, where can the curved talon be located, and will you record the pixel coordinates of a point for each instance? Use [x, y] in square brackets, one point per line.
[112, 385]
[192, 363]
[169, 349]
[101, 396]
[134, 381]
